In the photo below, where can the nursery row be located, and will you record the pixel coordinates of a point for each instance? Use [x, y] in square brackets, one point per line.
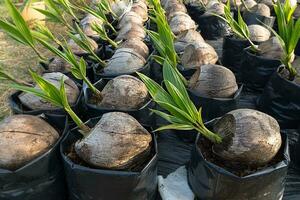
[96, 123]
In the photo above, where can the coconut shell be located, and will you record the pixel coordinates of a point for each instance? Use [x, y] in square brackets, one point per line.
[175, 7]
[77, 50]
[124, 92]
[138, 46]
[140, 7]
[131, 31]
[59, 65]
[198, 54]
[213, 81]
[118, 141]
[297, 12]
[24, 138]
[186, 38]
[252, 137]
[261, 9]
[87, 23]
[181, 22]
[258, 33]
[216, 8]
[124, 61]
[249, 4]
[36, 103]
[130, 18]
[120, 7]
[271, 49]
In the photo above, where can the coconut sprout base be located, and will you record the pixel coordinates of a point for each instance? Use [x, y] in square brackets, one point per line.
[142, 161]
[238, 169]
[284, 73]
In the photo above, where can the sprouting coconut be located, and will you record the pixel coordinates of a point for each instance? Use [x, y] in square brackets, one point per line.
[131, 31]
[124, 61]
[87, 24]
[186, 38]
[198, 54]
[248, 4]
[140, 7]
[181, 22]
[118, 141]
[130, 18]
[250, 137]
[261, 9]
[136, 45]
[124, 92]
[24, 138]
[59, 65]
[35, 103]
[213, 81]
[258, 33]
[77, 50]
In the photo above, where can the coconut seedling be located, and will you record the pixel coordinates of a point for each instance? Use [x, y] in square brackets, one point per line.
[236, 137]
[131, 141]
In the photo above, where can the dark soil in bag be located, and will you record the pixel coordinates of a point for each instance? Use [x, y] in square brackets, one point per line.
[281, 99]
[257, 70]
[212, 178]
[42, 178]
[85, 182]
[253, 18]
[142, 114]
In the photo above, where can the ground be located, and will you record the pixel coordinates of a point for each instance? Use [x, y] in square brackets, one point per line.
[17, 59]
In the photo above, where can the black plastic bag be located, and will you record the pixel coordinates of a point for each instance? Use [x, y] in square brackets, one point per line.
[253, 18]
[209, 181]
[100, 184]
[281, 99]
[215, 107]
[232, 54]
[257, 70]
[42, 178]
[143, 114]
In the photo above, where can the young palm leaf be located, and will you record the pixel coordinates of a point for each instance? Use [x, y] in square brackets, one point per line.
[18, 29]
[183, 114]
[103, 34]
[50, 93]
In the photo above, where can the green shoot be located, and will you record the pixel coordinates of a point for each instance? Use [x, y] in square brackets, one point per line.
[239, 27]
[103, 35]
[183, 114]
[78, 69]
[67, 7]
[288, 33]
[104, 5]
[18, 29]
[49, 92]
[84, 43]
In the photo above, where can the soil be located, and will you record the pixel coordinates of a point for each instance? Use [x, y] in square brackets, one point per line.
[236, 168]
[71, 154]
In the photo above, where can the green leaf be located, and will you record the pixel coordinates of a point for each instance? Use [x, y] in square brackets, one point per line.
[183, 127]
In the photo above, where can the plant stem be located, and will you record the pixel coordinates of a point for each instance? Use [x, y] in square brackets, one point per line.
[84, 128]
[113, 43]
[112, 28]
[39, 54]
[96, 92]
[213, 137]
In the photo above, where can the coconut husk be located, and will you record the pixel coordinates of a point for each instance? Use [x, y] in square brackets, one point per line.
[216, 8]
[271, 49]
[136, 45]
[198, 54]
[175, 6]
[36, 103]
[130, 18]
[124, 92]
[87, 23]
[140, 7]
[124, 61]
[117, 141]
[186, 38]
[251, 137]
[181, 22]
[249, 4]
[77, 50]
[213, 81]
[258, 33]
[59, 65]
[261, 9]
[131, 31]
[297, 12]
[24, 138]
[120, 7]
